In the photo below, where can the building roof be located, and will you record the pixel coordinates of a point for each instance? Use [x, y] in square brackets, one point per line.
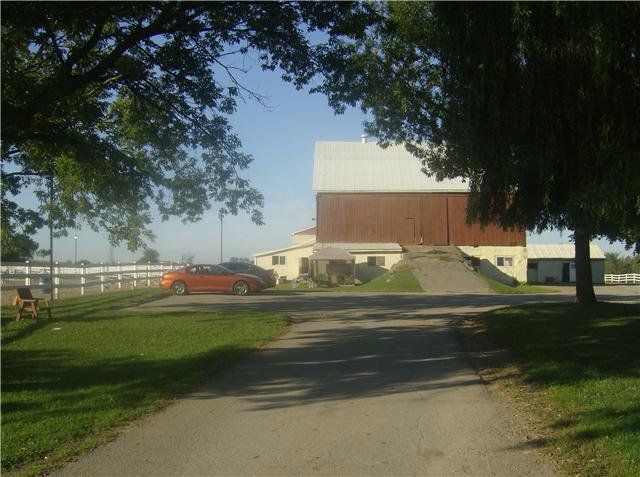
[306, 231]
[306, 243]
[361, 247]
[537, 251]
[331, 253]
[341, 166]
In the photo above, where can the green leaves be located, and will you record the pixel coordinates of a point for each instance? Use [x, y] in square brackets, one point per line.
[131, 102]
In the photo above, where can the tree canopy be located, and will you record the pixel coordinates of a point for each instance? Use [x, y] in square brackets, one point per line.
[537, 105]
[127, 104]
[149, 255]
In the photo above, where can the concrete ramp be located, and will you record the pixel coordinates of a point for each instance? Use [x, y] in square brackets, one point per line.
[443, 271]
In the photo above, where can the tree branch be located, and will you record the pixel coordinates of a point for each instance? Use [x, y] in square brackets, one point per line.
[93, 40]
[54, 42]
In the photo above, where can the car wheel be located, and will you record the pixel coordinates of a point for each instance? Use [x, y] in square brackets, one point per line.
[241, 288]
[179, 288]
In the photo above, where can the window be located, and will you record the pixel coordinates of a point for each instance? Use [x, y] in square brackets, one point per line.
[504, 261]
[375, 261]
[532, 266]
[236, 266]
[278, 260]
[211, 270]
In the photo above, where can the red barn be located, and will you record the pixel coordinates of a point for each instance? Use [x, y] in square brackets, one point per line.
[366, 194]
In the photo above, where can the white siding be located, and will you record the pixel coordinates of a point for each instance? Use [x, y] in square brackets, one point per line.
[488, 266]
[550, 271]
[303, 237]
[292, 257]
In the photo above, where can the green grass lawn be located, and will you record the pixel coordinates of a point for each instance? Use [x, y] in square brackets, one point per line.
[583, 362]
[401, 280]
[504, 289]
[68, 383]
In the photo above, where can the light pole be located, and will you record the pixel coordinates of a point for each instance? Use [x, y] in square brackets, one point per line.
[75, 252]
[221, 215]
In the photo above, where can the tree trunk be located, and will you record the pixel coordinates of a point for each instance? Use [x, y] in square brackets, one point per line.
[584, 280]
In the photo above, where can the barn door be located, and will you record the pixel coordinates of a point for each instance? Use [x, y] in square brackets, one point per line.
[409, 231]
[434, 220]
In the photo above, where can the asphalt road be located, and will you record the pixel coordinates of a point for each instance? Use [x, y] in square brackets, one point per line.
[361, 385]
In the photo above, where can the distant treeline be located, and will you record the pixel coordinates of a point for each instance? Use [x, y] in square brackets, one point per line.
[618, 265]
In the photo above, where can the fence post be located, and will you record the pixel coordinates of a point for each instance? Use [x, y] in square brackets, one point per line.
[148, 280]
[27, 279]
[119, 276]
[56, 282]
[135, 275]
[83, 278]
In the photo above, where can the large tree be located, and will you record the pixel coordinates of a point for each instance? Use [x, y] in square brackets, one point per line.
[537, 105]
[126, 104]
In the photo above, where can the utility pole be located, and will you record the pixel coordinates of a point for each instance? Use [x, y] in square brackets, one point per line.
[75, 250]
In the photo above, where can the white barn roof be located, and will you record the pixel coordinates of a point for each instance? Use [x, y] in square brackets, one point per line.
[341, 166]
[559, 251]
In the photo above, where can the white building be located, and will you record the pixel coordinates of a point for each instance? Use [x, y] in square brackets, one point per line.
[555, 263]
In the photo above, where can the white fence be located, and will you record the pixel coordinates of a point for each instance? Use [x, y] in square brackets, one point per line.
[628, 278]
[102, 277]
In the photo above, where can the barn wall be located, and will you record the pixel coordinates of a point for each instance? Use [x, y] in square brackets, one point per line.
[368, 218]
[431, 219]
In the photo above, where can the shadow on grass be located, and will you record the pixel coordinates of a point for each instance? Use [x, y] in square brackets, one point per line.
[586, 361]
[58, 390]
[603, 422]
[63, 376]
[568, 343]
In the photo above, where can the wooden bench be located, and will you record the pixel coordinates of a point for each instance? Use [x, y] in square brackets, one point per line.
[25, 301]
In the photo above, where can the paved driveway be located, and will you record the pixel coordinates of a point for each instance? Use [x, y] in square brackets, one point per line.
[361, 385]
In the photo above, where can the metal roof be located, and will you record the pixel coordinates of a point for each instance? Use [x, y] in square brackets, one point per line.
[361, 247]
[305, 231]
[306, 243]
[341, 166]
[536, 251]
[331, 253]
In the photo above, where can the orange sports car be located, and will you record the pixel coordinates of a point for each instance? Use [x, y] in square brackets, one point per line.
[210, 278]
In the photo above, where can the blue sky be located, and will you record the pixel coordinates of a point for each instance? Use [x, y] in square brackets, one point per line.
[281, 141]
